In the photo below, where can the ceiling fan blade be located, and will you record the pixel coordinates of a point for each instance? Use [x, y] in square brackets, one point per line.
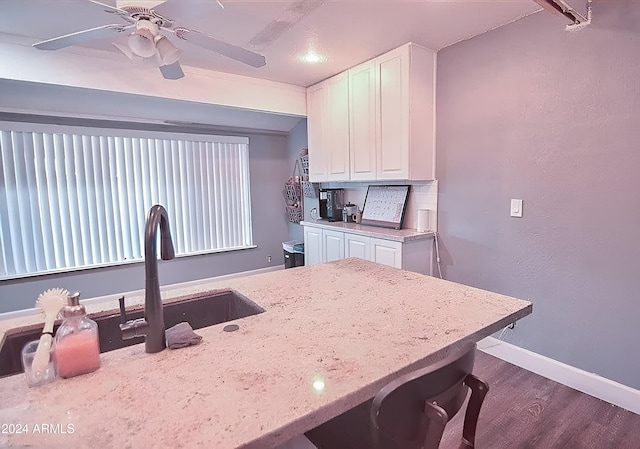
[175, 9]
[172, 71]
[80, 37]
[109, 8]
[124, 49]
[298, 10]
[230, 51]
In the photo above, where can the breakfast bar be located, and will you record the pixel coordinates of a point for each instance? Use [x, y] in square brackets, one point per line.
[331, 336]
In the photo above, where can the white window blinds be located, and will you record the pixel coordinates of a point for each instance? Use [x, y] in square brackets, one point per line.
[80, 198]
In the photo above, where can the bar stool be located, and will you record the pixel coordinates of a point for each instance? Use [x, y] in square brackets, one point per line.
[412, 411]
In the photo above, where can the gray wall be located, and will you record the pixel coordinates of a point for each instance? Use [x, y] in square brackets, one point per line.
[297, 140]
[269, 167]
[535, 112]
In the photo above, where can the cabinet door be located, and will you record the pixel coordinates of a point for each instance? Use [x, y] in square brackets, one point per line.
[393, 110]
[362, 121]
[332, 245]
[336, 131]
[312, 245]
[357, 246]
[315, 133]
[386, 252]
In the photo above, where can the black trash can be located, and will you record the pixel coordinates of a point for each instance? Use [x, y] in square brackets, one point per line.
[293, 259]
[293, 254]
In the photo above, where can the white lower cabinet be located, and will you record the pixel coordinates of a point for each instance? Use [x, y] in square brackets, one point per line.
[312, 245]
[357, 246]
[386, 252]
[332, 245]
[325, 245]
[322, 245]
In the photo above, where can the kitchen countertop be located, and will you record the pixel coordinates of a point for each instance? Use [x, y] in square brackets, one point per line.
[352, 323]
[398, 235]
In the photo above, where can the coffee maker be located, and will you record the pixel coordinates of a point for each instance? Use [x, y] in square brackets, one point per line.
[331, 202]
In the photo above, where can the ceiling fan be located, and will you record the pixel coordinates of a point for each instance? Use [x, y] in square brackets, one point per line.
[144, 41]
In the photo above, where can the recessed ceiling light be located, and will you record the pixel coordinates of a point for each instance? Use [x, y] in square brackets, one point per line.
[312, 58]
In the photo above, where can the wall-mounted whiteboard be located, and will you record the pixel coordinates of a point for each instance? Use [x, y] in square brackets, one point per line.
[384, 206]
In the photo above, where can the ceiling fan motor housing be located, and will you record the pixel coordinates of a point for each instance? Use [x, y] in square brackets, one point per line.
[137, 13]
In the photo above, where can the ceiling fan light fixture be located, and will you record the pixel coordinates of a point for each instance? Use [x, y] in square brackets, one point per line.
[168, 52]
[141, 45]
[142, 41]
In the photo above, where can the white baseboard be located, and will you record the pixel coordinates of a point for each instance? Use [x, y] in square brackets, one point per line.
[597, 386]
[222, 278]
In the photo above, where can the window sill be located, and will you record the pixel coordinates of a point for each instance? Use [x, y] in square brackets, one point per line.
[115, 264]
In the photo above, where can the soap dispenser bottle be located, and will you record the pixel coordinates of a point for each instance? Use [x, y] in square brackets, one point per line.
[77, 348]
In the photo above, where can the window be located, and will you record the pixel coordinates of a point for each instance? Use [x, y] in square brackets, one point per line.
[73, 198]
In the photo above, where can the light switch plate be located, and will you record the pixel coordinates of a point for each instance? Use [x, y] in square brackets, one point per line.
[516, 208]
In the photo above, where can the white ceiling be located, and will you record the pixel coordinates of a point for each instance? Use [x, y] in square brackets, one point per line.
[346, 32]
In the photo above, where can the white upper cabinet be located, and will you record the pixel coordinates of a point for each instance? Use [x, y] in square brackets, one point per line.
[328, 129]
[363, 120]
[384, 110]
[393, 110]
[337, 130]
[406, 114]
[315, 132]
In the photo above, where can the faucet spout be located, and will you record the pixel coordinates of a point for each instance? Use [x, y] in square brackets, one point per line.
[153, 313]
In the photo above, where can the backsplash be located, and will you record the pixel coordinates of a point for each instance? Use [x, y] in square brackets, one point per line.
[422, 195]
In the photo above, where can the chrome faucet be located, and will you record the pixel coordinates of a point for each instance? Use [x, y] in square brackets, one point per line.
[152, 325]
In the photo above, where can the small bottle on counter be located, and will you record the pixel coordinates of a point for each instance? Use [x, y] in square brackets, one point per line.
[77, 348]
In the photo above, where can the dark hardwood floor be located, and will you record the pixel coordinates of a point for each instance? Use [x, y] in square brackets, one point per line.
[524, 411]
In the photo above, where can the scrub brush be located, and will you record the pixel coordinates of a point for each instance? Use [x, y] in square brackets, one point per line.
[50, 302]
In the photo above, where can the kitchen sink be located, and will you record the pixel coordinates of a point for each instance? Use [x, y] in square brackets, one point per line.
[200, 311]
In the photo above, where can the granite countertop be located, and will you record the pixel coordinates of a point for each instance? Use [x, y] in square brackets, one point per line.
[354, 324]
[398, 235]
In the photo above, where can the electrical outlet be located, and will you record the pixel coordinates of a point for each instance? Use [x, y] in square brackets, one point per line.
[268, 259]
